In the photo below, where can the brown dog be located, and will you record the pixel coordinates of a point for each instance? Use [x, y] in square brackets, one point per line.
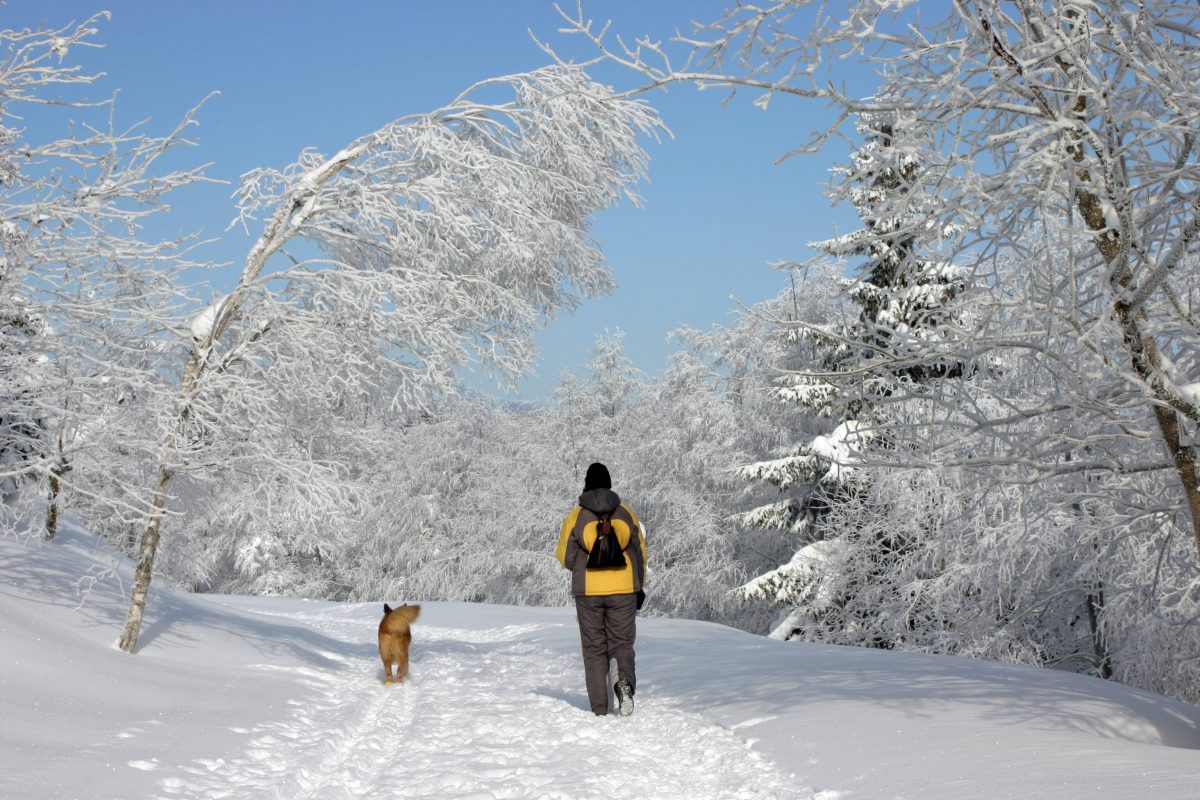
[394, 639]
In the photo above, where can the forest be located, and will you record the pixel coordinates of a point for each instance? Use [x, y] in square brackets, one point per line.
[966, 427]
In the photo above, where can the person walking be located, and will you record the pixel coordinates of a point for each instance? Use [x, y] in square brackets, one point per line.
[603, 545]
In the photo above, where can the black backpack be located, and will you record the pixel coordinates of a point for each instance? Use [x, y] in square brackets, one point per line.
[606, 552]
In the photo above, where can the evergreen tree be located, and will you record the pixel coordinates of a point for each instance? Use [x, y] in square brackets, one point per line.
[899, 306]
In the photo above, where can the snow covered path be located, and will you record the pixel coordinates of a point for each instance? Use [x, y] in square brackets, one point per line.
[485, 713]
[245, 697]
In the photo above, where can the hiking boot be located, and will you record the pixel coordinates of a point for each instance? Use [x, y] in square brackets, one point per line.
[624, 697]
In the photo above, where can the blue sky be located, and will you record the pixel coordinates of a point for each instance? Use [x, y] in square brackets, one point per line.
[306, 74]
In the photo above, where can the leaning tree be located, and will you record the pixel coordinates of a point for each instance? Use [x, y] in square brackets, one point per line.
[434, 240]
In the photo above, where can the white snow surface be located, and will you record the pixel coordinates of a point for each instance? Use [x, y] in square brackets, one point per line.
[240, 697]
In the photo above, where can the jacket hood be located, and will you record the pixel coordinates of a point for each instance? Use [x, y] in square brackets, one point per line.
[600, 501]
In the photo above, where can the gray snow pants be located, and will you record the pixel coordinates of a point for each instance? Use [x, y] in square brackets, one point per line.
[607, 628]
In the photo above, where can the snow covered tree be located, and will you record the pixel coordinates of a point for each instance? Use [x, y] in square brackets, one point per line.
[23, 435]
[86, 301]
[711, 408]
[1045, 115]
[1086, 102]
[1066, 551]
[436, 239]
[900, 302]
[248, 524]
[597, 404]
[464, 502]
[466, 507]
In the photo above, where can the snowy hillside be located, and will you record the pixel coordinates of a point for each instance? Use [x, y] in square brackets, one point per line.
[237, 697]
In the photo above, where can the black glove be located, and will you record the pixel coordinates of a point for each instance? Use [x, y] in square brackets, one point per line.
[641, 599]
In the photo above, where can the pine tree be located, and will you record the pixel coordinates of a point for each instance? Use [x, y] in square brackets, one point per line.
[899, 305]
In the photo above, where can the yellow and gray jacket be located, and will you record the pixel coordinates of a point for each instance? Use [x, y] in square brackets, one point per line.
[579, 534]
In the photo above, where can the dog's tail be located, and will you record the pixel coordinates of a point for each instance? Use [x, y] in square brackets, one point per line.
[408, 613]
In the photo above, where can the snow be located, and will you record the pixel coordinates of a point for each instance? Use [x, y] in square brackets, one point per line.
[202, 325]
[241, 697]
[841, 448]
[1190, 392]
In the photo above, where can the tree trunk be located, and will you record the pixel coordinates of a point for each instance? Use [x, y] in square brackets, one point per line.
[60, 468]
[1182, 454]
[1147, 363]
[52, 504]
[1095, 606]
[150, 537]
[1142, 349]
[145, 567]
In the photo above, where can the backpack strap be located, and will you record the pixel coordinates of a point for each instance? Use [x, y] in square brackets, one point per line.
[604, 524]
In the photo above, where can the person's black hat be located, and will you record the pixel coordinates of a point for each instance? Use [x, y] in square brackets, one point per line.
[597, 478]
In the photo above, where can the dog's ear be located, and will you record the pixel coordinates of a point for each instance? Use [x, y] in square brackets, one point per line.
[387, 609]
